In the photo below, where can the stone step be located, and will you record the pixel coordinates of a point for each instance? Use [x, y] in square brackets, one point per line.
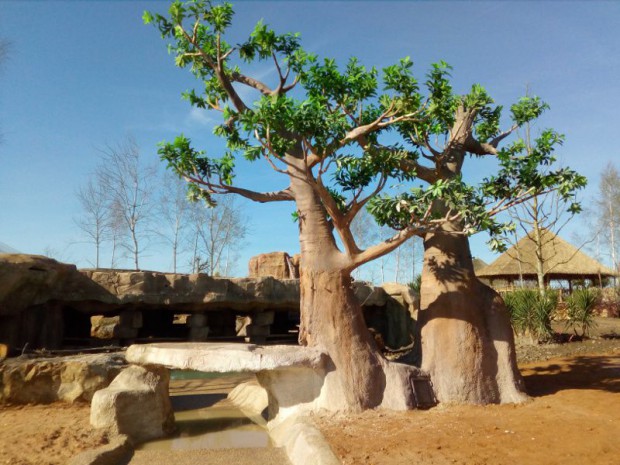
[243, 456]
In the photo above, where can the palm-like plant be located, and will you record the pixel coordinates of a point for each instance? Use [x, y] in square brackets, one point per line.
[530, 312]
[580, 306]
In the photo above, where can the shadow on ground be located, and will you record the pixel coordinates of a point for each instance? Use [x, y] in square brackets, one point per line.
[582, 372]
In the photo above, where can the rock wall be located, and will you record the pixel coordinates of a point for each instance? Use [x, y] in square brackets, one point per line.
[47, 304]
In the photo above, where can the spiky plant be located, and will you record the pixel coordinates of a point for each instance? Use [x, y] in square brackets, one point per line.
[530, 313]
[580, 310]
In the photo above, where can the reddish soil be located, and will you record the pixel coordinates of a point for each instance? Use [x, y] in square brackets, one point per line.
[573, 418]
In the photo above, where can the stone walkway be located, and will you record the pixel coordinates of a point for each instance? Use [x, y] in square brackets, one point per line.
[248, 456]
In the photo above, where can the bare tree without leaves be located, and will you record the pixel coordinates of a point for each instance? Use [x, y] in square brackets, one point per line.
[128, 186]
[399, 265]
[364, 228]
[117, 235]
[607, 212]
[95, 221]
[535, 218]
[173, 211]
[217, 233]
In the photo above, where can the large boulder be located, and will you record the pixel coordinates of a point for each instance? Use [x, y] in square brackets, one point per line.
[136, 403]
[44, 380]
[278, 265]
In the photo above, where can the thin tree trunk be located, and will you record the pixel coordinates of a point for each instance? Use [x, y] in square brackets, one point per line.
[97, 246]
[112, 262]
[195, 252]
[174, 257]
[467, 340]
[538, 246]
[612, 236]
[136, 252]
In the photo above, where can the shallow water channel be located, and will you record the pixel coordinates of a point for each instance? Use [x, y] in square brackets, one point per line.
[205, 418]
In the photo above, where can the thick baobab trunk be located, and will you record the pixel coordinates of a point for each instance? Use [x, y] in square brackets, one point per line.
[467, 339]
[331, 317]
[332, 320]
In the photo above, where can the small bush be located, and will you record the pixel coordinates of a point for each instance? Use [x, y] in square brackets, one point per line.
[580, 310]
[530, 313]
[416, 284]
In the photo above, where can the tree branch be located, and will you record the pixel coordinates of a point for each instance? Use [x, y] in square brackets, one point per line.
[262, 197]
[426, 174]
[251, 82]
[379, 123]
[383, 248]
[355, 206]
[495, 141]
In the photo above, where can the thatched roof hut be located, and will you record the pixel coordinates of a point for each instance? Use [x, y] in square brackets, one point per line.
[479, 264]
[562, 261]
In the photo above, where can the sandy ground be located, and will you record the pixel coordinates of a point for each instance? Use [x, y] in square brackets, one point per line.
[45, 434]
[574, 417]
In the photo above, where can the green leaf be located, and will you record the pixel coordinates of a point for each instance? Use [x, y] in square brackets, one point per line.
[147, 17]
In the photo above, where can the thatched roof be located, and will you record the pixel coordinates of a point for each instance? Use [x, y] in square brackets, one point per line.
[561, 261]
[479, 264]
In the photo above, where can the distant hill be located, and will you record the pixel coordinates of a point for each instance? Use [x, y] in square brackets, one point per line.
[6, 249]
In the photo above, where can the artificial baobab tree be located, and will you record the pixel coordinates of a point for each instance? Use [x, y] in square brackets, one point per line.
[322, 128]
[465, 323]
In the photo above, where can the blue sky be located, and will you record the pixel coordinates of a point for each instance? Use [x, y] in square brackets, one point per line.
[84, 74]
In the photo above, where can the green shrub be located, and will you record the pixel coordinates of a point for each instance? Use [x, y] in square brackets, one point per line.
[530, 312]
[416, 284]
[580, 310]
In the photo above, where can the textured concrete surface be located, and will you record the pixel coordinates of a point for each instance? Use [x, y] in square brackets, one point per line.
[250, 456]
[303, 442]
[214, 357]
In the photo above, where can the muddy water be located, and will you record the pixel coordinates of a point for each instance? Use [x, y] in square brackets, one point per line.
[205, 418]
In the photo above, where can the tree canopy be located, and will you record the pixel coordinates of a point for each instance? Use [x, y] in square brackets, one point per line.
[362, 134]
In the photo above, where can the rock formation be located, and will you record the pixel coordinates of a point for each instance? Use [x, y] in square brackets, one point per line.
[47, 304]
[50, 379]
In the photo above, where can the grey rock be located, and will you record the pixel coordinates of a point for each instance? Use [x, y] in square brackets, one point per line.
[136, 403]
